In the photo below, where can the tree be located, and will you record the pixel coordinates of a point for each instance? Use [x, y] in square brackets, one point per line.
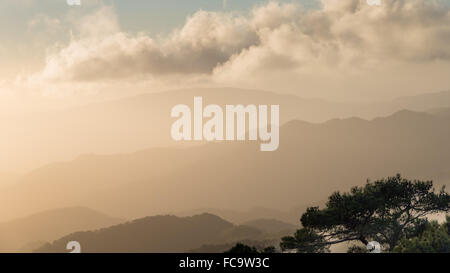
[357, 249]
[434, 238]
[385, 211]
[241, 249]
[245, 249]
[305, 240]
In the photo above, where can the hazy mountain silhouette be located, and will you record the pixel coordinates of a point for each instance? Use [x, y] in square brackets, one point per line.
[313, 161]
[443, 112]
[125, 125]
[242, 216]
[271, 225]
[143, 121]
[30, 247]
[26, 234]
[423, 102]
[157, 234]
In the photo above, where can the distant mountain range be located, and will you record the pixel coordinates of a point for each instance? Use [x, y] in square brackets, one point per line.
[163, 234]
[443, 112]
[243, 215]
[143, 121]
[28, 233]
[423, 102]
[313, 161]
[270, 225]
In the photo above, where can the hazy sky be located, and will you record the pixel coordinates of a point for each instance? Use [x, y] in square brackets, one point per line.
[28, 25]
[332, 49]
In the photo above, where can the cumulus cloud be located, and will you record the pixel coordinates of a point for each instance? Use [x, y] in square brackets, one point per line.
[103, 51]
[351, 33]
[342, 35]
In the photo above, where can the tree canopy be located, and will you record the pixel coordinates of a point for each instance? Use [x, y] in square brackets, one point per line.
[386, 211]
[434, 238]
[240, 248]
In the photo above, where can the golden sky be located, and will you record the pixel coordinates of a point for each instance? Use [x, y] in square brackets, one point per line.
[339, 50]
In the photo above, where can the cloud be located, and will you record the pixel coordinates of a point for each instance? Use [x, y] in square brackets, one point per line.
[351, 33]
[273, 40]
[103, 51]
[100, 24]
[341, 32]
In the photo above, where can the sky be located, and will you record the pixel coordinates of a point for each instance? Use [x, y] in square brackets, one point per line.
[338, 50]
[154, 17]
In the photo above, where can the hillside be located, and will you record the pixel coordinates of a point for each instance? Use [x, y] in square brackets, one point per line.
[424, 102]
[140, 122]
[244, 215]
[313, 161]
[157, 234]
[125, 125]
[271, 225]
[443, 112]
[26, 233]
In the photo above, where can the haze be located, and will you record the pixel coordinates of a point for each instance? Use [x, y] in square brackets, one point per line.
[86, 95]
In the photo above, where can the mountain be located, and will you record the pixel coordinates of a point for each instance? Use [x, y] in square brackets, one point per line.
[26, 234]
[156, 234]
[313, 161]
[125, 125]
[242, 216]
[272, 226]
[143, 121]
[423, 102]
[443, 112]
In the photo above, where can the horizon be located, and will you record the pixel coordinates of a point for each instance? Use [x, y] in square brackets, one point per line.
[299, 126]
[44, 59]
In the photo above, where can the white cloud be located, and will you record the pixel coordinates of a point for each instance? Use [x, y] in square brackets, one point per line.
[103, 51]
[343, 37]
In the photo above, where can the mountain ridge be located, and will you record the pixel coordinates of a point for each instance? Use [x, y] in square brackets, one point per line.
[139, 184]
[144, 121]
[21, 233]
[161, 233]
